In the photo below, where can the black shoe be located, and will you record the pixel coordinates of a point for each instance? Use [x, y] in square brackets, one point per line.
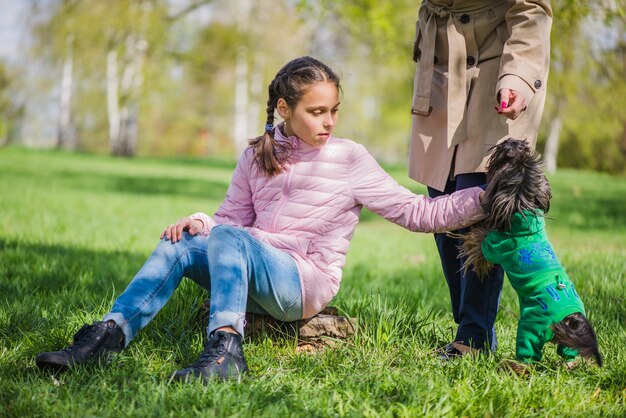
[456, 350]
[100, 340]
[222, 358]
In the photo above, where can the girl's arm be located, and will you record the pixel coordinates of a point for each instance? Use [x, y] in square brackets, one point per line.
[373, 188]
[237, 208]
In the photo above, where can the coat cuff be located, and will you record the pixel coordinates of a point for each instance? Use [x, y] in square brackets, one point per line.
[207, 222]
[513, 82]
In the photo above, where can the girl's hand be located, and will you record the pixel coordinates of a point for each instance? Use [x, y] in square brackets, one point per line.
[175, 231]
[512, 103]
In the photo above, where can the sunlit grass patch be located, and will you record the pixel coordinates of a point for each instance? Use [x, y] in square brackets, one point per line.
[75, 228]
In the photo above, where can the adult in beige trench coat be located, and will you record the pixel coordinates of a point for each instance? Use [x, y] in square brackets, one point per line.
[481, 78]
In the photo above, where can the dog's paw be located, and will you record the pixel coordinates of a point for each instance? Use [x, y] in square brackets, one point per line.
[519, 369]
[575, 363]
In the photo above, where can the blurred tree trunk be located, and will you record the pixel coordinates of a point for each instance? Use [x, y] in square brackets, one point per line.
[113, 109]
[124, 93]
[258, 98]
[256, 93]
[240, 128]
[129, 94]
[564, 73]
[66, 134]
[123, 104]
[552, 144]
[623, 145]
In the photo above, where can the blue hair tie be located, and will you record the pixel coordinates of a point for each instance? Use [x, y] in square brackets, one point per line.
[269, 127]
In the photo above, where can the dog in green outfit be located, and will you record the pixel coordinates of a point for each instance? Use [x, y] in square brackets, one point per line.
[513, 235]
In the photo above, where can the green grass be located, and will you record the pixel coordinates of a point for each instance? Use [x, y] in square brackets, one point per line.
[75, 228]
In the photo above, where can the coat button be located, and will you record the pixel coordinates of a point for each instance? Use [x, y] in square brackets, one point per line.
[465, 18]
[471, 61]
[537, 84]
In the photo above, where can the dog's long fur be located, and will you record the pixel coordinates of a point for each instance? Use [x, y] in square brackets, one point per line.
[517, 183]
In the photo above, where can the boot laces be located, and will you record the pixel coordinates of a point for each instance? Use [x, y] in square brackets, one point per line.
[214, 349]
[82, 337]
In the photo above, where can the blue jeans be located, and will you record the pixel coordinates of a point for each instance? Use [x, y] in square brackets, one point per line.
[474, 300]
[240, 272]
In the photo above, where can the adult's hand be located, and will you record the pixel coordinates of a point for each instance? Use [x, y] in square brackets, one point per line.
[175, 231]
[512, 103]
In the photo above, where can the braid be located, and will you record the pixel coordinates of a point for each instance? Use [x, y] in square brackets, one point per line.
[265, 146]
[271, 102]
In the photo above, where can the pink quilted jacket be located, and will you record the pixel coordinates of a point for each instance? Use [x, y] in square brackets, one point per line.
[311, 209]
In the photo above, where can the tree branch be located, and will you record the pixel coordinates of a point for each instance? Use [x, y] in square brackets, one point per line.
[190, 8]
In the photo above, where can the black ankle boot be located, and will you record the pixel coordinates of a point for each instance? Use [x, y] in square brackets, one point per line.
[455, 350]
[222, 358]
[100, 340]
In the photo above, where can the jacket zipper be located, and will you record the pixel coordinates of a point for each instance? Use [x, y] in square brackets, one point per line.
[284, 198]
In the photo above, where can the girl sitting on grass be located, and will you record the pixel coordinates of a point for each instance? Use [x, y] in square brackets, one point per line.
[278, 242]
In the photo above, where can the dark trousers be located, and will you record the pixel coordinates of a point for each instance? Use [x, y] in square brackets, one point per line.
[474, 301]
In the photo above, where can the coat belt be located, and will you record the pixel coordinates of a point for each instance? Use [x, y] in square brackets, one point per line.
[457, 62]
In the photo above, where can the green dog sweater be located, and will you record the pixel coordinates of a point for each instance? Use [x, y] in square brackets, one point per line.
[546, 293]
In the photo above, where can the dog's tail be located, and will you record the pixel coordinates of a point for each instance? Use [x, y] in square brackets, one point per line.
[470, 250]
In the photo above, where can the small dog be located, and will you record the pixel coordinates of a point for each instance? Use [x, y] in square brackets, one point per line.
[513, 235]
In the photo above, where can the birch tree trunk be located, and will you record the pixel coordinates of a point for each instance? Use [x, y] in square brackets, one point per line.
[132, 80]
[255, 124]
[129, 90]
[623, 147]
[123, 97]
[240, 128]
[113, 109]
[257, 91]
[552, 144]
[126, 122]
[66, 137]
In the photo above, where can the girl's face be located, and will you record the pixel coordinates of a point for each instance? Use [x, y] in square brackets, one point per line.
[314, 116]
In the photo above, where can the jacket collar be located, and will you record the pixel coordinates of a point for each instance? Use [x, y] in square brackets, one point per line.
[297, 145]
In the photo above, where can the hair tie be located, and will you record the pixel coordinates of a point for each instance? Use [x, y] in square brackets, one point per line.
[269, 127]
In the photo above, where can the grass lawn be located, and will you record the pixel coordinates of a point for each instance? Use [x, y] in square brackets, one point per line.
[75, 228]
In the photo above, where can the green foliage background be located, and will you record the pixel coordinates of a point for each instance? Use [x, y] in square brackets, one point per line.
[186, 101]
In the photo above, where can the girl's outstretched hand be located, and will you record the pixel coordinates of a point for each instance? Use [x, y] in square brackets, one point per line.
[175, 231]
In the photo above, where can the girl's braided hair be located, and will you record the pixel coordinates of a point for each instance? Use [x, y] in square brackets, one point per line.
[290, 83]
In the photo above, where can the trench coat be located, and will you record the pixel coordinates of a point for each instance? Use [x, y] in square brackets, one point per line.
[467, 50]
